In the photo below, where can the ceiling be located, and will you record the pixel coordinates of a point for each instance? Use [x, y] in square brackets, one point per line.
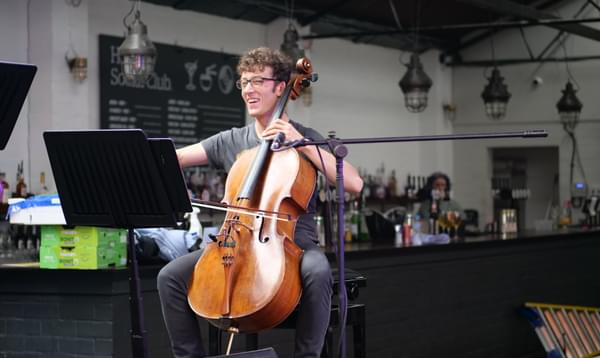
[447, 25]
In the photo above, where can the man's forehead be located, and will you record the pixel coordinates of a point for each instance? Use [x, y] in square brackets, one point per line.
[265, 71]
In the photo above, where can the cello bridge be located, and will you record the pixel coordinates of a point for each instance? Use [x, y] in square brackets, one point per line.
[235, 223]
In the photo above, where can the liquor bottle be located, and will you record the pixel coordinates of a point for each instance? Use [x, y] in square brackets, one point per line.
[363, 234]
[21, 189]
[320, 230]
[415, 186]
[391, 185]
[43, 187]
[416, 230]
[565, 216]
[407, 230]
[35, 235]
[19, 255]
[5, 189]
[347, 226]
[407, 187]
[367, 186]
[434, 212]
[380, 189]
[354, 220]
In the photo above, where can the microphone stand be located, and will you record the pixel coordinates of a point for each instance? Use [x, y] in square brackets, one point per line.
[339, 150]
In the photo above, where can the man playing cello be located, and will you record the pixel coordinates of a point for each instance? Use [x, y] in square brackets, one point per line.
[263, 76]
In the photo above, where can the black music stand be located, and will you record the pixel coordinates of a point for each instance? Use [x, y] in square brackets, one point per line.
[120, 179]
[15, 80]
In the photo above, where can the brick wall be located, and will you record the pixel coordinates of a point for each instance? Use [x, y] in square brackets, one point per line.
[74, 314]
[54, 326]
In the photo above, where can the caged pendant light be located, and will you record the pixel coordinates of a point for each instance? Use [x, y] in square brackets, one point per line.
[137, 53]
[495, 96]
[415, 84]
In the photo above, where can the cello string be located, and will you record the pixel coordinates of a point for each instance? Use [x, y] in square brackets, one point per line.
[226, 206]
[222, 205]
[243, 211]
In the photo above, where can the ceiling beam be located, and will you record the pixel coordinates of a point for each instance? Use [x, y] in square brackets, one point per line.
[474, 38]
[475, 26]
[317, 15]
[507, 7]
[457, 62]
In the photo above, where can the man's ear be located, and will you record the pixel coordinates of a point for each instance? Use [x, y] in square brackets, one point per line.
[280, 88]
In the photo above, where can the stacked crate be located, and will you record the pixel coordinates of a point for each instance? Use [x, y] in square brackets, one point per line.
[82, 247]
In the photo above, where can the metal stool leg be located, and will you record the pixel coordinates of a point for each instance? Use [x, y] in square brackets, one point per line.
[214, 340]
[328, 346]
[360, 333]
[251, 341]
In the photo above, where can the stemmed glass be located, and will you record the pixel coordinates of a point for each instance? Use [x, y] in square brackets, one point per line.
[453, 220]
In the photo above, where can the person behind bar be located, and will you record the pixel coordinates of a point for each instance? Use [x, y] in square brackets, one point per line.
[263, 75]
[435, 200]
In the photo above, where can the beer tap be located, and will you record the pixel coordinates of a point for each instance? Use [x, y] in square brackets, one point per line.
[590, 208]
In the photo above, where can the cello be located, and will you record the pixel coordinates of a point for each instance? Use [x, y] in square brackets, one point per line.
[248, 278]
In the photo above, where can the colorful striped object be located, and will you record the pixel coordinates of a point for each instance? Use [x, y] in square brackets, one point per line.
[566, 331]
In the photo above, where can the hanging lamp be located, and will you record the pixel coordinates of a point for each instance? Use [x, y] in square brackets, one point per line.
[495, 96]
[415, 84]
[137, 53]
[569, 107]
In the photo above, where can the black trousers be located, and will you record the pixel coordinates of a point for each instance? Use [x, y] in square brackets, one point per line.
[313, 315]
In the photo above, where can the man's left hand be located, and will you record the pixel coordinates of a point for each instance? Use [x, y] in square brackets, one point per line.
[281, 126]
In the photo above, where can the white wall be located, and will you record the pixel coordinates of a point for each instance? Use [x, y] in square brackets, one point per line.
[529, 108]
[13, 47]
[40, 32]
[357, 94]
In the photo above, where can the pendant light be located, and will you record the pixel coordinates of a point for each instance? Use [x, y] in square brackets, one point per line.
[290, 43]
[289, 46]
[495, 96]
[137, 53]
[415, 84]
[569, 107]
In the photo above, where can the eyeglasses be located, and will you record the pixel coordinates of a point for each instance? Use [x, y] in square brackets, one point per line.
[256, 82]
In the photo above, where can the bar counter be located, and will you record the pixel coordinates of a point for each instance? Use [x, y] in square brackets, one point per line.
[455, 300]
[354, 249]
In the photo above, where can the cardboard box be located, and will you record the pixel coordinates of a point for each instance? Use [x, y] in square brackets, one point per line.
[39, 210]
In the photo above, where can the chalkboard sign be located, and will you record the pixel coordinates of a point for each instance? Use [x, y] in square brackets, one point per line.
[190, 96]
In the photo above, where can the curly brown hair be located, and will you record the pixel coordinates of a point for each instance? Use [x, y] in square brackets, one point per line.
[257, 59]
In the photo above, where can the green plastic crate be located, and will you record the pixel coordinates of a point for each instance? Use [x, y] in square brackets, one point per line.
[82, 257]
[56, 235]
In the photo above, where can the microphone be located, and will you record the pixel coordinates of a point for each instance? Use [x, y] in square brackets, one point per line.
[278, 141]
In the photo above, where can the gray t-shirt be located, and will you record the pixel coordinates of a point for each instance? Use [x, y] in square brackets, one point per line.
[223, 148]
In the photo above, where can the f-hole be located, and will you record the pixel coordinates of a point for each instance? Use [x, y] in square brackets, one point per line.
[261, 239]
